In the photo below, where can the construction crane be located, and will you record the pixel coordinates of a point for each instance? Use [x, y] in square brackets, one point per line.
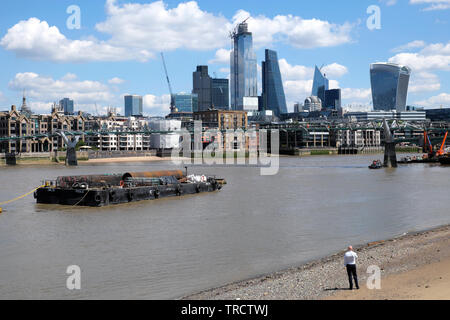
[441, 151]
[172, 104]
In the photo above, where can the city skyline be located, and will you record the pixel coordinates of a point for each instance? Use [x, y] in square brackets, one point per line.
[51, 65]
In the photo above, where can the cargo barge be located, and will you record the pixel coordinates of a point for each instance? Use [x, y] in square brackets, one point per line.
[104, 190]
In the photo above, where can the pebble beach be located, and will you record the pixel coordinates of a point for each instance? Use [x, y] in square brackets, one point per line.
[413, 266]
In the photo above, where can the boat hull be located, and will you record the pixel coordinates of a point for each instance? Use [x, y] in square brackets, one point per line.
[112, 196]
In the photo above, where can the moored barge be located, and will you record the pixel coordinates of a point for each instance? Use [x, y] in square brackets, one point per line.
[104, 190]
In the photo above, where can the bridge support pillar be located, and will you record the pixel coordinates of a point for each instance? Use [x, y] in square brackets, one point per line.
[390, 155]
[71, 156]
[10, 159]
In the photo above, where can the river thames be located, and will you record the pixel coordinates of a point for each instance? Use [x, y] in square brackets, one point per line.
[166, 249]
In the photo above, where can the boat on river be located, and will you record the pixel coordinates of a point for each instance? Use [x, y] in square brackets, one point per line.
[111, 189]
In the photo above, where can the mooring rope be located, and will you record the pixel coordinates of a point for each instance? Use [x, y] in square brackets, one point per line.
[22, 196]
[81, 199]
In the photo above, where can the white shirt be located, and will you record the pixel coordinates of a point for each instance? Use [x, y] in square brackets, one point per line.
[350, 258]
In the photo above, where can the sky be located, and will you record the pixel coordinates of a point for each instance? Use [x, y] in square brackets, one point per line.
[112, 48]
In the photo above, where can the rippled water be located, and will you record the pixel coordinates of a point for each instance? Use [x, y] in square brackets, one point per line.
[172, 247]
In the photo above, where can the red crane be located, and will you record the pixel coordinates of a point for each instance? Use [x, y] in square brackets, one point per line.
[441, 150]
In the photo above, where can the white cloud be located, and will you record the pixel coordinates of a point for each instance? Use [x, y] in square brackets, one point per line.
[433, 4]
[296, 31]
[442, 99]
[2, 97]
[290, 72]
[410, 45]
[156, 105]
[36, 40]
[42, 91]
[116, 81]
[335, 70]
[432, 57]
[138, 30]
[424, 82]
[222, 57]
[153, 26]
[356, 94]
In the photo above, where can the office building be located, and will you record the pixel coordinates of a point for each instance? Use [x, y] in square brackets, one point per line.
[211, 92]
[134, 106]
[333, 99]
[389, 86]
[243, 64]
[186, 102]
[442, 114]
[220, 92]
[67, 105]
[202, 84]
[320, 84]
[273, 97]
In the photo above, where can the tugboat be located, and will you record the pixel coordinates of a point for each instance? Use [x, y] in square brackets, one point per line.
[104, 190]
[376, 165]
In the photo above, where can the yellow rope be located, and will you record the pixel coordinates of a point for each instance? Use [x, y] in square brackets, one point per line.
[23, 196]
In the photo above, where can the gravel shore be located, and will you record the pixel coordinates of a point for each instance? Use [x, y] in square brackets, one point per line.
[327, 277]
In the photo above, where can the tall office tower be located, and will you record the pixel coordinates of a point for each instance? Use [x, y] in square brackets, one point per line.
[186, 102]
[66, 104]
[320, 84]
[333, 99]
[389, 86]
[273, 97]
[220, 92]
[244, 80]
[202, 87]
[133, 106]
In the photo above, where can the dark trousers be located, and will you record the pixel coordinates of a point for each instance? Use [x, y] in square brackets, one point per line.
[351, 271]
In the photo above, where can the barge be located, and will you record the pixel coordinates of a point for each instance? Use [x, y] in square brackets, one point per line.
[104, 190]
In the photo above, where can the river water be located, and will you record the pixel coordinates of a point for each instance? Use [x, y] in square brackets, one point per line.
[169, 248]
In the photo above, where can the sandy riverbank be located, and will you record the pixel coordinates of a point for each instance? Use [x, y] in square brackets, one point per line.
[129, 159]
[414, 266]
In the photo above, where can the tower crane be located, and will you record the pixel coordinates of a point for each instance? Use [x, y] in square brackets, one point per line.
[172, 102]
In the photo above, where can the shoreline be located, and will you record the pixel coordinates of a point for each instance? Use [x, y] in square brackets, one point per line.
[45, 161]
[414, 256]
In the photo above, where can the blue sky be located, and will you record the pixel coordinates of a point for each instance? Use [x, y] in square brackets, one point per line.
[116, 50]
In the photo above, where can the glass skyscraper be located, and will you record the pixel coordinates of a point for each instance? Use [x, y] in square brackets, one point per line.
[220, 92]
[202, 87]
[211, 91]
[320, 85]
[273, 97]
[244, 81]
[67, 105]
[389, 86]
[134, 106]
[332, 99]
[186, 102]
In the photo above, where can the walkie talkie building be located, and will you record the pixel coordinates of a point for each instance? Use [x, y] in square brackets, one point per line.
[389, 86]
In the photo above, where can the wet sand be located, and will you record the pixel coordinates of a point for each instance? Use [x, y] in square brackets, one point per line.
[413, 266]
[131, 159]
[429, 282]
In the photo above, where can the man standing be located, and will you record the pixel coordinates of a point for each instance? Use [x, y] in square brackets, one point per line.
[350, 262]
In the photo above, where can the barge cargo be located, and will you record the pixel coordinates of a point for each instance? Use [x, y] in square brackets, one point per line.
[104, 190]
